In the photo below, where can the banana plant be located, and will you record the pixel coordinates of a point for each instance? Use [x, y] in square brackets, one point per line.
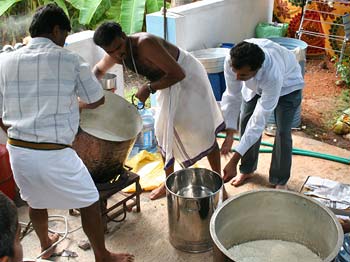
[6, 4]
[129, 13]
[30, 5]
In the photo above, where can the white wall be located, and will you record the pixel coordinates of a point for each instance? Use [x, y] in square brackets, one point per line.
[83, 44]
[207, 23]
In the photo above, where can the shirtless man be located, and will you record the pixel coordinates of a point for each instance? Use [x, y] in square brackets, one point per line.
[39, 89]
[189, 118]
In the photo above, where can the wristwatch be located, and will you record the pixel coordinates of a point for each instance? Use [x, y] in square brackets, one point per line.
[150, 89]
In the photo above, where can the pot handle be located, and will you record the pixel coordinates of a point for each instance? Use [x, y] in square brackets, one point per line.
[190, 208]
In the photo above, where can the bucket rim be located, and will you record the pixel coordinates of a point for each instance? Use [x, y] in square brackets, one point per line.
[108, 76]
[90, 120]
[280, 40]
[184, 197]
[222, 249]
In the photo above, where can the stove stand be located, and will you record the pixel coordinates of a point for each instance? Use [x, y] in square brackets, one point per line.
[107, 190]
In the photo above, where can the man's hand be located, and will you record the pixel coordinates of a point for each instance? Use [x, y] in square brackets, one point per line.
[227, 145]
[230, 170]
[83, 105]
[2, 126]
[143, 93]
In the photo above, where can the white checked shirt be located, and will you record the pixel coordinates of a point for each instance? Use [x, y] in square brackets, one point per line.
[279, 75]
[39, 86]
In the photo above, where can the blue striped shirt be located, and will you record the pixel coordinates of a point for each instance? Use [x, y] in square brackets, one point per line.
[39, 89]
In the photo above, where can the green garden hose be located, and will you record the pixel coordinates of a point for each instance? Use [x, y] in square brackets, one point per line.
[297, 151]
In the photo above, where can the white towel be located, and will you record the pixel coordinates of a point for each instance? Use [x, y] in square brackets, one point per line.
[189, 117]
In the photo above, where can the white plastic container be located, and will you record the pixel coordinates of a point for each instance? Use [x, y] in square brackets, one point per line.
[212, 58]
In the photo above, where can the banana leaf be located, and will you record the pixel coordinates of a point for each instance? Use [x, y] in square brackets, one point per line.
[61, 4]
[114, 12]
[87, 9]
[100, 14]
[153, 6]
[132, 15]
[6, 4]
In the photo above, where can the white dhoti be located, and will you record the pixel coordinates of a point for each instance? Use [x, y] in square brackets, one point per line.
[52, 178]
[189, 117]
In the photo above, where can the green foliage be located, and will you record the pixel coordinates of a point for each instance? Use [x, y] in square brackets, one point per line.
[6, 4]
[132, 15]
[16, 15]
[87, 9]
[343, 70]
[114, 12]
[131, 92]
[84, 14]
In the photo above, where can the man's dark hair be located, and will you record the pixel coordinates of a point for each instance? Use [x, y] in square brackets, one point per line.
[106, 33]
[247, 54]
[46, 18]
[8, 226]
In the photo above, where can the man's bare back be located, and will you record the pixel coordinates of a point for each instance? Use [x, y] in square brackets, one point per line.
[143, 64]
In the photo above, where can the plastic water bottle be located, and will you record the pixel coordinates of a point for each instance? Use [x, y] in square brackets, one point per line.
[146, 139]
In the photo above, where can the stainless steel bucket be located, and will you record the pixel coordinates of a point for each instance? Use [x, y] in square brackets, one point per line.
[192, 196]
[109, 82]
[278, 215]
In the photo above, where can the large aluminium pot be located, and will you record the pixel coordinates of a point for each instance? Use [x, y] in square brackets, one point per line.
[192, 196]
[106, 136]
[275, 215]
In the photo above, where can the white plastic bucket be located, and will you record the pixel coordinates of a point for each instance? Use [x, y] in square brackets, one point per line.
[212, 59]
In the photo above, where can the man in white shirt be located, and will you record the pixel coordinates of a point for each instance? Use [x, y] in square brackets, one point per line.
[261, 77]
[39, 107]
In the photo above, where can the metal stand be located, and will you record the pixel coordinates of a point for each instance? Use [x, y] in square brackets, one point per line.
[119, 208]
[344, 38]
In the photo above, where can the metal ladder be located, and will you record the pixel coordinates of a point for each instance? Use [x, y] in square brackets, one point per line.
[345, 23]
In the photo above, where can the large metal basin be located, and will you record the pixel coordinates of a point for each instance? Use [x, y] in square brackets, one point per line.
[106, 136]
[275, 214]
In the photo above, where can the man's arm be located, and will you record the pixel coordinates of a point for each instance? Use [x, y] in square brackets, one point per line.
[103, 66]
[230, 105]
[151, 50]
[232, 97]
[83, 105]
[2, 126]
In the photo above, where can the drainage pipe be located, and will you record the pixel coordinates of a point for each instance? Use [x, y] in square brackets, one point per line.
[297, 151]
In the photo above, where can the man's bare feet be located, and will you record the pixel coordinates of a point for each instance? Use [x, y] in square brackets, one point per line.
[240, 178]
[158, 192]
[282, 187]
[53, 238]
[120, 257]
